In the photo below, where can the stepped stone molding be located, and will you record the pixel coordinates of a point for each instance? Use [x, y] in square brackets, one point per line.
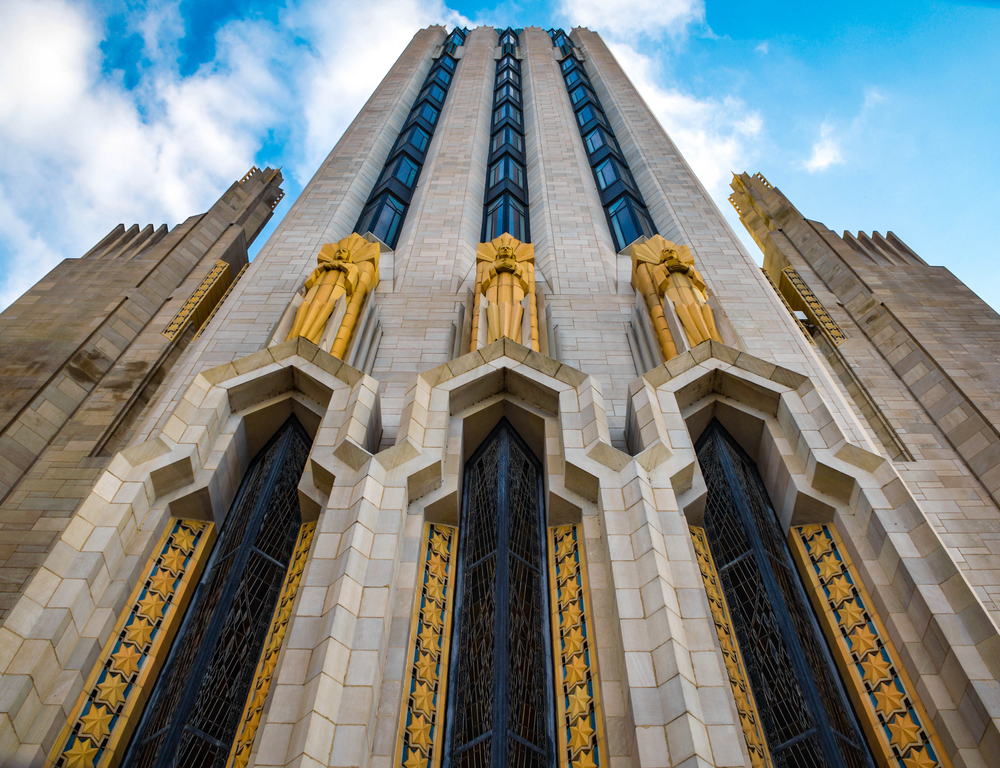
[948, 644]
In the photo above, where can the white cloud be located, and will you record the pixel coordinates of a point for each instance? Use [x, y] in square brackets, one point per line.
[763, 48]
[80, 153]
[629, 19]
[713, 135]
[825, 151]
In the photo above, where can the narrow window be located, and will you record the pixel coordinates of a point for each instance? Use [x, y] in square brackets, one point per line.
[586, 114]
[500, 706]
[572, 78]
[418, 137]
[805, 713]
[428, 113]
[444, 76]
[406, 171]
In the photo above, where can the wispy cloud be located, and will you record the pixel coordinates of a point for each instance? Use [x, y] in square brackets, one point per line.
[630, 19]
[764, 48]
[825, 151]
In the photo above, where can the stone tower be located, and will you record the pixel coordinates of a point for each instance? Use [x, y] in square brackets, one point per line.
[502, 451]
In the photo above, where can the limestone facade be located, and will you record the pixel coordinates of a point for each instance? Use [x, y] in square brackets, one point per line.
[616, 442]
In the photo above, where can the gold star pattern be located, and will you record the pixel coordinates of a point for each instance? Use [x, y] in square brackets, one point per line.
[433, 619]
[570, 617]
[427, 667]
[126, 659]
[163, 582]
[565, 547]
[95, 723]
[863, 641]
[423, 698]
[440, 544]
[580, 735]
[437, 566]
[584, 760]
[829, 566]
[579, 702]
[569, 592]
[840, 589]
[420, 732]
[429, 639]
[576, 672]
[139, 632]
[415, 760]
[174, 561]
[919, 758]
[851, 613]
[573, 642]
[184, 540]
[889, 699]
[566, 570]
[112, 690]
[151, 606]
[876, 668]
[435, 590]
[820, 544]
[904, 732]
[81, 754]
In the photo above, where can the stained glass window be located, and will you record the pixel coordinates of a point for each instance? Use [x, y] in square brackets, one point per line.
[805, 713]
[500, 703]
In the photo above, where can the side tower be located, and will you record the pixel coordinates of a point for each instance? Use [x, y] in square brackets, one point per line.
[503, 451]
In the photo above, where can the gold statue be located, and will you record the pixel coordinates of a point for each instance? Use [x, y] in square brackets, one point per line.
[348, 268]
[505, 274]
[662, 269]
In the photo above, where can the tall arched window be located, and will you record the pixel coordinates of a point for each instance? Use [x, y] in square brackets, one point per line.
[807, 718]
[500, 703]
[192, 717]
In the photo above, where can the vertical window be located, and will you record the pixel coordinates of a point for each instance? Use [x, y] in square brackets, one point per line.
[505, 214]
[507, 136]
[418, 137]
[428, 113]
[594, 141]
[628, 221]
[406, 171]
[586, 114]
[193, 713]
[573, 78]
[507, 168]
[804, 711]
[500, 706]
[444, 76]
[505, 111]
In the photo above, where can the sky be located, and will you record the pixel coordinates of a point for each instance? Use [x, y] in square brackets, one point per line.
[868, 116]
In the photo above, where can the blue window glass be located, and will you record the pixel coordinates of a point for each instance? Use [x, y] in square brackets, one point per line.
[505, 214]
[507, 136]
[507, 110]
[628, 222]
[443, 75]
[507, 168]
[436, 92]
[509, 61]
[567, 63]
[448, 63]
[508, 90]
[586, 114]
[386, 219]
[406, 171]
[508, 38]
[573, 78]
[428, 113]
[578, 94]
[508, 75]
[607, 173]
[594, 141]
[418, 138]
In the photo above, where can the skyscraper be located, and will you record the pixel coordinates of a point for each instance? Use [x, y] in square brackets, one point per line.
[502, 451]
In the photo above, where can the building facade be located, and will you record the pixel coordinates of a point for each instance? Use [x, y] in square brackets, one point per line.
[502, 451]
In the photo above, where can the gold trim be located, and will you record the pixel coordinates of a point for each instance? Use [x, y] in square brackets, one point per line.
[753, 732]
[239, 754]
[108, 709]
[897, 726]
[580, 737]
[802, 327]
[221, 301]
[814, 308]
[201, 303]
[421, 729]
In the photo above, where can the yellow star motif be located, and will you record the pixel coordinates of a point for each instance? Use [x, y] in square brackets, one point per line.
[573, 642]
[863, 641]
[584, 760]
[576, 672]
[820, 544]
[904, 732]
[426, 668]
[565, 547]
[139, 632]
[440, 544]
[429, 639]
[919, 758]
[184, 540]
[420, 732]
[174, 561]
[580, 734]
[126, 659]
[570, 617]
[163, 582]
[423, 698]
[851, 613]
[95, 723]
[81, 754]
[569, 592]
[432, 619]
[437, 566]
[840, 589]
[579, 702]
[565, 570]
[415, 760]
[151, 606]
[435, 590]
[889, 698]
[112, 690]
[876, 668]
[828, 566]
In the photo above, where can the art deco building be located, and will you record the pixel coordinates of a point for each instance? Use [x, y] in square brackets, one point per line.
[501, 452]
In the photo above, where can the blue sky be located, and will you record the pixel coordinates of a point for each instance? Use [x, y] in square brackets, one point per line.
[868, 116]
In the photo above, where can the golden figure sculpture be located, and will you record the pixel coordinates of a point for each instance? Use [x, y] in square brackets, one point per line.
[662, 269]
[347, 268]
[505, 274]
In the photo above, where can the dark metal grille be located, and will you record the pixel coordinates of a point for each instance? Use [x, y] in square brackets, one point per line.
[804, 711]
[193, 714]
[500, 706]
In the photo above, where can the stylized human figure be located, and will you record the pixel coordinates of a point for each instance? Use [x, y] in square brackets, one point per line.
[505, 274]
